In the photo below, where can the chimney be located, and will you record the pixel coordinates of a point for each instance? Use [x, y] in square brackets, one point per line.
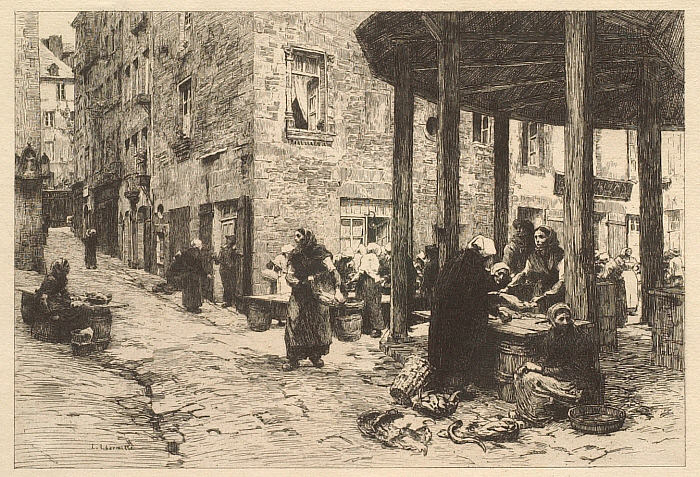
[56, 45]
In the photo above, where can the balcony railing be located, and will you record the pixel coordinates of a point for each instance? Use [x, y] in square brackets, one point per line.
[112, 172]
[602, 188]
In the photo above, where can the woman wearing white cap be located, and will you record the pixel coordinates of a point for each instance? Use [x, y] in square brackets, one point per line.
[459, 314]
[368, 291]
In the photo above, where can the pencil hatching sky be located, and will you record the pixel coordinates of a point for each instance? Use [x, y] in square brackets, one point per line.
[57, 23]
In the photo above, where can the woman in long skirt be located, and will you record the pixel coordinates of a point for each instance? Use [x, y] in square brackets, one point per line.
[308, 330]
[369, 291]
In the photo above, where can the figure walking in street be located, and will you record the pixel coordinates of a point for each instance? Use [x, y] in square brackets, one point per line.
[369, 291]
[459, 314]
[228, 260]
[90, 241]
[193, 272]
[311, 273]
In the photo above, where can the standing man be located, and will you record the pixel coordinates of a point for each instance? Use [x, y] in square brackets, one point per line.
[227, 259]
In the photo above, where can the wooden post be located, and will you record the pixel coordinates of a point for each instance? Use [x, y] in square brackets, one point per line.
[651, 240]
[402, 191]
[579, 276]
[501, 176]
[448, 138]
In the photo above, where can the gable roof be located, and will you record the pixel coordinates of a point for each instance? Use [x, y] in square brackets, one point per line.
[46, 59]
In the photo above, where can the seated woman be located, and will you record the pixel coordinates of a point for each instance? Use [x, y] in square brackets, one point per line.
[564, 376]
[542, 280]
[501, 304]
[52, 295]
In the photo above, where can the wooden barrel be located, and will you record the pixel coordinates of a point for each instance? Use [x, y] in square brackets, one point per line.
[348, 321]
[511, 356]
[667, 334]
[259, 317]
[100, 320]
[606, 315]
[410, 380]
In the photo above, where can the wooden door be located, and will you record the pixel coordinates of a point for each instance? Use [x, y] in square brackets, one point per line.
[206, 223]
[244, 242]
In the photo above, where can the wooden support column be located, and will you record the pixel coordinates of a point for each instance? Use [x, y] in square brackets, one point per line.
[651, 240]
[578, 245]
[402, 192]
[501, 175]
[448, 138]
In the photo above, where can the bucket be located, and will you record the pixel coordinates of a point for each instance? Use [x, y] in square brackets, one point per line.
[100, 320]
[259, 317]
[410, 380]
[511, 356]
[606, 314]
[348, 321]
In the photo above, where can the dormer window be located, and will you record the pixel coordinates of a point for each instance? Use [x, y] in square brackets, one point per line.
[53, 69]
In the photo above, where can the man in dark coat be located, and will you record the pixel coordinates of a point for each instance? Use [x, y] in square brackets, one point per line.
[459, 314]
[520, 246]
[228, 260]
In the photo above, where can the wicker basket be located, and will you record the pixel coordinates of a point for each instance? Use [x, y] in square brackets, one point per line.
[595, 419]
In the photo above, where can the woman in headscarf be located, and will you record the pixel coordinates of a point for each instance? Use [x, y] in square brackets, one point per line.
[520, 246]
[193, 272]
[90, 241]
[459, 314]
[564, 374]
[369, 291]
[52, 294]
[542, 280]
[308, 330]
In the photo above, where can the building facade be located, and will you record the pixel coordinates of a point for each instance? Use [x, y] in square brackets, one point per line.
[29, 227]
[208, 124]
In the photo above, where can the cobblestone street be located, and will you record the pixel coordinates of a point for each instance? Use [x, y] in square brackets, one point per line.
[183, 390]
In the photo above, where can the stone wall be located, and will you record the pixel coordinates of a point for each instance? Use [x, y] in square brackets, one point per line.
[301, 185]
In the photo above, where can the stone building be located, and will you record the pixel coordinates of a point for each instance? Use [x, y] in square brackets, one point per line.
[537, 165]
[205, 124]
[57, 112]
[29, 231]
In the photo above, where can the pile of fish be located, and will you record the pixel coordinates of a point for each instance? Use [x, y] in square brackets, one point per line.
[381, 425]
[501, 430]
[436, 405]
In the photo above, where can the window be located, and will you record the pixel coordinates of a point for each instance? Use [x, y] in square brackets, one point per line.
[49, 149]
[482, 133]
[127, 88]
[126, 147]
[49, 119]
[134, 143]
[186, 106]
[674, 220]
[363, 221]
[135, 77]
[352, 233]
[308, 98]
[531, 152]
[633, 223]
[160, 248]
[185, 28]
[61, 92]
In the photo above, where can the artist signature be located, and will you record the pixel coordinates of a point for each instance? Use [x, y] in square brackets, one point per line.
[127, 446]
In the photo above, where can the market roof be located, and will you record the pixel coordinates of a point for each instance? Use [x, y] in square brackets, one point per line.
[514, 61]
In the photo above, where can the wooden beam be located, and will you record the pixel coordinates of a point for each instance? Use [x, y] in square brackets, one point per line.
[651, 237]
[448, 140]
[579, 277]
[402, 192]
[501, 175]
[520, 39]
[432, 26]
[521, 61]
[493, 87]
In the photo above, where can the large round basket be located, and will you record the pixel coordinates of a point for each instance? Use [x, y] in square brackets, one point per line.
[595, 419]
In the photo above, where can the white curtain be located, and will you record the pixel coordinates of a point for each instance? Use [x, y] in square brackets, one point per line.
[300, 94]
